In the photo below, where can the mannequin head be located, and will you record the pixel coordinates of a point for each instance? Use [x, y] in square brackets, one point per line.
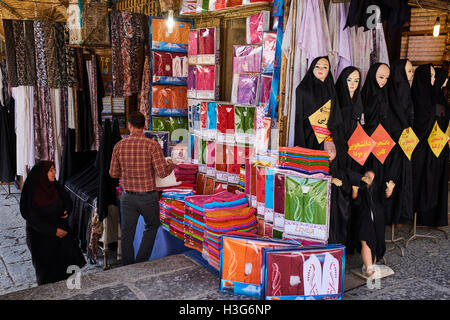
[321, 69]
[353, 82]
[409, 72]
[433, 75]
[382, 75]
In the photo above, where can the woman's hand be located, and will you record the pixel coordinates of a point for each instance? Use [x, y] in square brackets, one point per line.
[60, 233]
[65, 215]
[390, 188]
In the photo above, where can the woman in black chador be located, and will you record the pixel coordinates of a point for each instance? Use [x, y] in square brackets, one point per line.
[45, 206]
[400, 209]
[430, 180]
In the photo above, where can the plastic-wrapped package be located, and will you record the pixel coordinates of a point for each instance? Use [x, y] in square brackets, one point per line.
[256, 24]
[202, 5]
[268, 55]
[221, 163]
[248, 86]
[169, 100]
[225, 123]
[220, 4]
[246, 59]
[205, 82]
[176, 41]
[211, 121]
[203, 118]
[169, 64]
[192, 82]
[233, 3]
[188, 6]
[278, 204]
[193, 46]
[162, 137]
[241, 263]
[211, 156]
[309, 273]
[307, 204]
[244, 118]
[266, 85]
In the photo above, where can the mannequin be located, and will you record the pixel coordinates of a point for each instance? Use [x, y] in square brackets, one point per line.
[377, 110]
[316, 88]
[424, 161]
[348, 89]
[431, 181]
[401, 208]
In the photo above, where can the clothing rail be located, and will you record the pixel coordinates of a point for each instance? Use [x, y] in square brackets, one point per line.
[79, 196]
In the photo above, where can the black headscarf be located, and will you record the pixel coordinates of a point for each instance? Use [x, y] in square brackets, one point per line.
[375, 101]
[424, 99]
[400, 98]
[351, 108]
[311, 94]
[39, 191]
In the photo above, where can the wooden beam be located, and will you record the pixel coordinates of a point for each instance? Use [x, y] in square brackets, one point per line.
[11, 10]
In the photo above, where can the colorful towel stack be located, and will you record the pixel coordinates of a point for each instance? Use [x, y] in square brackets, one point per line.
[186, 172]
[304, 160]
[171, 209]
[217, 214]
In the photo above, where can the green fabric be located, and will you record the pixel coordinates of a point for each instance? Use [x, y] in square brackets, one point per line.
[277, 234]
[307, 204]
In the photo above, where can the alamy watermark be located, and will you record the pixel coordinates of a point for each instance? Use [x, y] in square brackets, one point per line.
[74, 281]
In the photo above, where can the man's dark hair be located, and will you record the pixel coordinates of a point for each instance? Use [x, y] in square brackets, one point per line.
[137, 120]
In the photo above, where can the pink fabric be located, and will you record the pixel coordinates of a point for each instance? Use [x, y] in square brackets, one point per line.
[266, 84]
[224, 196]
[247, 59]
[252, 212]
[206, 78]
[193, 43]
[227, 208]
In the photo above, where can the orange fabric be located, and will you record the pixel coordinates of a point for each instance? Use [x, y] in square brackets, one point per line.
[179, 34]
[241, 212]
[232, 223]
[233, 260]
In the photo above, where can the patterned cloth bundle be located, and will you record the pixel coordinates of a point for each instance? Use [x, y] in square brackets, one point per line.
[304, 160]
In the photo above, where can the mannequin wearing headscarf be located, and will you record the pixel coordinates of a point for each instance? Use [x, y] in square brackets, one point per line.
[430, 180]
[352, 113]
[45, 205]
[400, 209]
[424, 100]
[377, 111]
[312, 93]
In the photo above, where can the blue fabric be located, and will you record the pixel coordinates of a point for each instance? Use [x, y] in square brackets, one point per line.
[165, 244]
[192, 219]
[194, 206]
[211, 122]
[218, 205]
[269, 188]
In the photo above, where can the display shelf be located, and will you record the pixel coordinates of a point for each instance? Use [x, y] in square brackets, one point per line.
[235, 12]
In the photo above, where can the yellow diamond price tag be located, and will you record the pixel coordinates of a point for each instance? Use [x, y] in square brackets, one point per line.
[408, 141]
[437, 140]
[319, 121]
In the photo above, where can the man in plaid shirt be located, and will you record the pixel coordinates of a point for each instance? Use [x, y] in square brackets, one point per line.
[136, 160]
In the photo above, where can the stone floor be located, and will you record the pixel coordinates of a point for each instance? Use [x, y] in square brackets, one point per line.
[423, 272]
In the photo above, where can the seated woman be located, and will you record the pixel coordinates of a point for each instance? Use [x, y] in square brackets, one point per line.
[369, 221]
[45, 206]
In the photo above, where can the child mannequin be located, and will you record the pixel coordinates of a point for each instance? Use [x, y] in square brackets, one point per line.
[370, 221]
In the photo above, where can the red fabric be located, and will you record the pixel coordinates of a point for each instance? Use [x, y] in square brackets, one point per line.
[206, 41]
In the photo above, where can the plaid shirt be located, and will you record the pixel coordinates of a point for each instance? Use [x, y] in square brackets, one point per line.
[135, 160]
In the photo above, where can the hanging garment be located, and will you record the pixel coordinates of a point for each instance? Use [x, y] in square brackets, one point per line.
[85, 122]
[299, 67]
[7, 142]
[10, 49]
[24, 98]
[144, 102]
[41, 58]
[362, 47]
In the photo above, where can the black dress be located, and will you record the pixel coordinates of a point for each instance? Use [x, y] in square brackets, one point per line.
[369, 221]
[351, 110]
[400, 208]
[7, 142]
[430, 180]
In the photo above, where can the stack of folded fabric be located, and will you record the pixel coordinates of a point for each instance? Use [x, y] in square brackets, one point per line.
[220, 221]
[304, 160]
[186, 172]
[172, 209]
